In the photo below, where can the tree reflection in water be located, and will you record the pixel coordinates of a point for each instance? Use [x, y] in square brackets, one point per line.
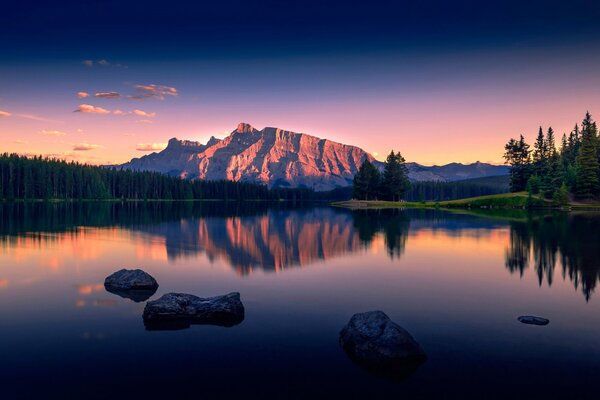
[571, 240]
[394, 223]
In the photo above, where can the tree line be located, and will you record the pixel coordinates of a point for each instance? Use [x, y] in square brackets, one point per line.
[444, 191]
[23, 178]
[571, 170]
[391, 184]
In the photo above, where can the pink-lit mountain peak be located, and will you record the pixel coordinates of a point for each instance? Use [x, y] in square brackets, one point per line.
[281, 158]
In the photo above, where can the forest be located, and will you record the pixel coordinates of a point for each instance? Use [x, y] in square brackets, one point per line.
[570, 171]
[38, 178]
[393, 184]
[32, 178]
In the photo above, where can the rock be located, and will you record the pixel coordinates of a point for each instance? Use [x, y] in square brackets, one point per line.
[533, 320]
[133, 284]
[180, 310]
[375, 341]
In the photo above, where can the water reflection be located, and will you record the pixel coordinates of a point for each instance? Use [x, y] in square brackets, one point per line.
[275, 237]
[565, 241]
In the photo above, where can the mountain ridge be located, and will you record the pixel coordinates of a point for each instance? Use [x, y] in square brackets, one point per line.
[282, 158]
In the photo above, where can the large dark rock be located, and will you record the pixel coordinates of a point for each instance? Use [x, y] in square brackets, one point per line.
[533, 320]
[133, 284]
[373, 340]
[180, 310]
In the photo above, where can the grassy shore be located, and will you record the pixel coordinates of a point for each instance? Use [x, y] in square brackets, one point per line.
[504, 200]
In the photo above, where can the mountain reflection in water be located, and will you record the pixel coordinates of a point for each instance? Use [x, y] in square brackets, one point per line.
[274, 237]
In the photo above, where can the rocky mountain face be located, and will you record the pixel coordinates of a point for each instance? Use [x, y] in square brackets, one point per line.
[272, 156]
[280, 158]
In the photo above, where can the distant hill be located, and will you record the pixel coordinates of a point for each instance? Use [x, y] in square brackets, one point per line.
[499, 182]
[280, 158]
[454, 171]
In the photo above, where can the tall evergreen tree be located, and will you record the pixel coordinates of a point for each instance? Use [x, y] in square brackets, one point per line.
[549, 169]
[517, 155]
[366, 182]
[587, 167]
[395, 181]
[539, 154]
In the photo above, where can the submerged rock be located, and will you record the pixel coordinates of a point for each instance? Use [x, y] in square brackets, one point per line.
[373, 340]
[180, 310]
[533, 320]
[133, 284]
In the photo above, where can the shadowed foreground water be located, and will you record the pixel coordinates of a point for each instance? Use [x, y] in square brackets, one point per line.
[456, 281]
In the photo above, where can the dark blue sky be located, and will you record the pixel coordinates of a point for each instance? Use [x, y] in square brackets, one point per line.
[240, 29]
[441, 81]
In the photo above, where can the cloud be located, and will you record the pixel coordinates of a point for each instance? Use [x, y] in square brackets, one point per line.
[21, 141]
[150, 146]
[79, 130]
[141, 113]
[153, 91]
[36, 118]
[102, 63]
[52, 133]
[4, 114]
[87, 108]
[108, 95]
[86, 147]
[145, 121]
[82, 95]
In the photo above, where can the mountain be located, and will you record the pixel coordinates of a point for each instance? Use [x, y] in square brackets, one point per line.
[280, 158]
[272, 156]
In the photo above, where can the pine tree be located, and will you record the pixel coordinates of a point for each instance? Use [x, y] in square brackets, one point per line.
[549, 169]
[395, 177]
[587, 166]
[517, 155]
[539, 154]
[366, 182]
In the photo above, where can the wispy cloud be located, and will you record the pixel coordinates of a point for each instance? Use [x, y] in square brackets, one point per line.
[4, 114]
[88, 108]
[153, 91]
[86, 147]
[108, 95]
[52, 133]
[145, 121]
[36, 118]
[150, 146]
[142, 113]
[102, 63]
[83, 95]
[21, 141]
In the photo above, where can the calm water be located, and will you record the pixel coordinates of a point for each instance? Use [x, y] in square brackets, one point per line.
[456, 281]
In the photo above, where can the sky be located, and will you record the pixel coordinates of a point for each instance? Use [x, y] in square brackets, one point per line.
[440, 81]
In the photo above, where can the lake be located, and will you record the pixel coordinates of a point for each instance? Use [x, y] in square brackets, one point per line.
[456, 281]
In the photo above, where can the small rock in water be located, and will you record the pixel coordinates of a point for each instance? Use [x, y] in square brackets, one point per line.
[180, 310]
[133, 284]
[373, 340]
[533, 320]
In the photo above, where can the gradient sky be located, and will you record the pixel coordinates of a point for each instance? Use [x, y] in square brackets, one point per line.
[440, 81]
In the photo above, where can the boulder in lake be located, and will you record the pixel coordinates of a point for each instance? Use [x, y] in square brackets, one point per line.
[180, 310]
[373, 340]
[533, 320]
[133, 284]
